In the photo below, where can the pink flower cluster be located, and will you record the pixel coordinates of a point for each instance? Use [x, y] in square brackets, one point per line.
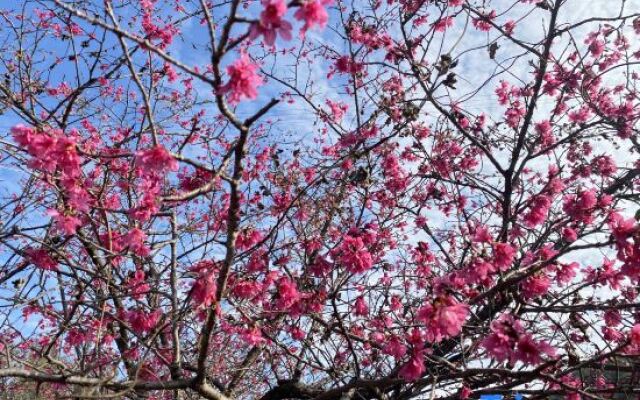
[353, 253]
[510, 342]
[141, 321]
[360, 307]
[580, 207]
[134, 241]
[481, 271]
[545, 133]
[313, 12]
[503, 255]
[626, 234]
[288, 294]
[538, 211]
[414, 368]
[247, 289]
[346, 65]
[483, 23]
[56, 155]
[535, 286]
[203, 291]
[243, 80]
[444, 318]
[41, 259]
[271, 23]
[337, 110]
[154, 161]
[370, 37]
[138, 285]
[634, 338]
[152, 30]
[395, 348]
[151, 165]
[51, 150]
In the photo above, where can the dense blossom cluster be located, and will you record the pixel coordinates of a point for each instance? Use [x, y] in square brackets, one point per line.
[303, 199]
[243, 80]
[509, 341]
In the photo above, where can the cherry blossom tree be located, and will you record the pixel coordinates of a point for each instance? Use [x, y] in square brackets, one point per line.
[319, 199]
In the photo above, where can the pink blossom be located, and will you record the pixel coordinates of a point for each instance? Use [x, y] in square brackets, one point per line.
[247, 289]
[444, 318]
[155, 160]
[442, 24]
[248, 239]
[545, 132]
[147, 207]
[68, 224]
[203, 291]
[354, 255]
[395, 348]
[605, 165]
[41, 259]
[481, 271]
[503, 255]
[530, 351]
[199, 178]
[271, 23]
[481, 234]
[581, 115]
[581, 206]
[243, 80]
[253, 336]
[170, 72]
[508, 341]
[396, 303]
[346, 65]
[414, 368]
[313, 12]
[535, 286]
[142, 321]
[78, 197]
[134, 240]
[547, 252]
[338, 109]
[538, 211]
[509, 27]
[152, 30]
[361, 309]
[622, 228]
[597, 47]
[504, 92]
[514, 113]
[569, 234]
[138, 284]
[483, 23]
[634, 335]
[76, 337]
[371, 38]
[320, 266]
[566, 272]
[297, 333]
[611, 334]
[288, 294]
[51, 149]
[612, 318]
[608, 274]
